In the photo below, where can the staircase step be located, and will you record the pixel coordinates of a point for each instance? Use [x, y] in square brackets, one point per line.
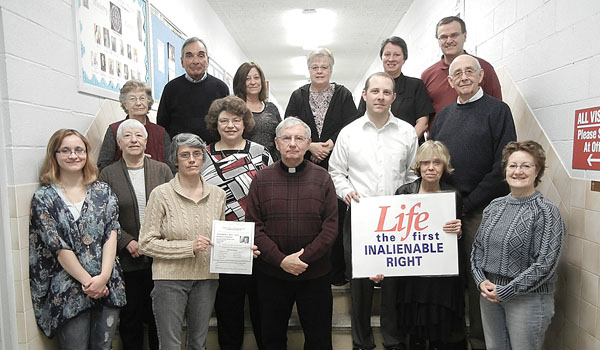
[341, 333]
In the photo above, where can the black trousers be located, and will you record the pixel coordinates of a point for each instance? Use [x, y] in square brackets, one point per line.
[229, 307]
[338, 263]
[362, 299]
[138, 285]
[314, 304]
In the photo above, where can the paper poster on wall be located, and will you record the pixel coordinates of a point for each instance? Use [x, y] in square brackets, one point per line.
[171, 53]
[113, 44]
[160, 62]
[167, 41]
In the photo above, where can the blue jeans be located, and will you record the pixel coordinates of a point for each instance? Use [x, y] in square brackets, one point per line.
[92, 329]
[171, 300]
[519, 323]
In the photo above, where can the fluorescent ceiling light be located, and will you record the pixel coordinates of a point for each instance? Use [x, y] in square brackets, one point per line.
[309, 28]
[299, 66]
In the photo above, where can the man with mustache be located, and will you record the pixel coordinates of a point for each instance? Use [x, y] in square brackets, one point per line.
[475, 128]
[451, 33]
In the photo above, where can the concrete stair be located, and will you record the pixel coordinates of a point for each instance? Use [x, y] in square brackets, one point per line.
[342, 338]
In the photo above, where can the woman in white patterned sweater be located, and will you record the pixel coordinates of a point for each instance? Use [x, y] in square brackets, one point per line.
[515, 254]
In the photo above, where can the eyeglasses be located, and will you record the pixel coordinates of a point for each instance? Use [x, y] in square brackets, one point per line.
[444, 38]
[459, 73]
[130, 135]
[316, 68]
[134, 99]
[188, 155]
[66, 152]
[288, 139]
[235, 121]
[524, 166]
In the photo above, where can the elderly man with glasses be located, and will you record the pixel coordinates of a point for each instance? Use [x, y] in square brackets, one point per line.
[294, 207]
[475, 129]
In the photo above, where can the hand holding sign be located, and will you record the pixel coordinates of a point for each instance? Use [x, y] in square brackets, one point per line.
[407, 235]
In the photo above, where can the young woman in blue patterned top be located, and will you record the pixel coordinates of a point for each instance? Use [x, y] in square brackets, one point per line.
[77, 286]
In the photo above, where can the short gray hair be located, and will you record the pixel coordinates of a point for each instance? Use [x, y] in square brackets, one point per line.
[320, 53]
[186, 139]
[132, 85]
[290, 122]
[129, 124]
[192, 40]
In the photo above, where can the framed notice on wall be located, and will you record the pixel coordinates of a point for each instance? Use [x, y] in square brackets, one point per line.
[112, 37]
[167, 41]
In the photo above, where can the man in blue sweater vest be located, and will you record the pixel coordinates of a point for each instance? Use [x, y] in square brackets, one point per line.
[475, 129]
[185, 100]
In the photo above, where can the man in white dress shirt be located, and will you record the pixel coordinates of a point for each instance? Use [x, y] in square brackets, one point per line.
[372, 157]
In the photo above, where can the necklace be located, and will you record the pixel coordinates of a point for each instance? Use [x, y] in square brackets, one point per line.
[222, 147]
[75, 208]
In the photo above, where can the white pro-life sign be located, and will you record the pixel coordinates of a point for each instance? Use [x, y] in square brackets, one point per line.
[402, 236]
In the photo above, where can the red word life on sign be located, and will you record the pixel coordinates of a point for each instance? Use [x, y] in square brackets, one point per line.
[406, 221]
[586, 139]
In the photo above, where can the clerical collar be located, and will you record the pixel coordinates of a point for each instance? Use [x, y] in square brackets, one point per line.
[293, 170]
[192, 80]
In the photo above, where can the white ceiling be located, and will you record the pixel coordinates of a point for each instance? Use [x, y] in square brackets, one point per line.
[258, 28]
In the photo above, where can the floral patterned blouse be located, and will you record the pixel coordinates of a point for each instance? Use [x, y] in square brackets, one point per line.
[319, 103]
[57, 296]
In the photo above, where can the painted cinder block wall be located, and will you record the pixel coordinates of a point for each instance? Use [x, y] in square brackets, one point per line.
[546, 51]
[549, 48]
[38, 95]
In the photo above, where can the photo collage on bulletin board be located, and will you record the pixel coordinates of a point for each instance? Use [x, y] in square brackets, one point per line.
[116, 38]
[114, 44]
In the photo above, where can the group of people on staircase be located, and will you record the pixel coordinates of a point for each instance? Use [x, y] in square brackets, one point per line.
[126, 239]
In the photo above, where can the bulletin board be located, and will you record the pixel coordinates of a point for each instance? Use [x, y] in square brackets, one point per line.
[167, 40]
[220, 73]
[112, 44]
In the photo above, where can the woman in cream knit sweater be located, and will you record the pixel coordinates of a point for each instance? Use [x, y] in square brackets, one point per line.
[177, 233]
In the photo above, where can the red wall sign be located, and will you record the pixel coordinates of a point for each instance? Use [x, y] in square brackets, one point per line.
[586, 141]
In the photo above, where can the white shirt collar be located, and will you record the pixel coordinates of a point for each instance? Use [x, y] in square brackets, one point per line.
[391, 120]
[190, 79]
[477, 96]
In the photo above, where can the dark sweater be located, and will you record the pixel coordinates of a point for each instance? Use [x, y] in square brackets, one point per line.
[263, 131]
[157, 144]
[291, 212]
[413, 187]
[475, 134]
[341, 112]
[117, 176]
[184, 105]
